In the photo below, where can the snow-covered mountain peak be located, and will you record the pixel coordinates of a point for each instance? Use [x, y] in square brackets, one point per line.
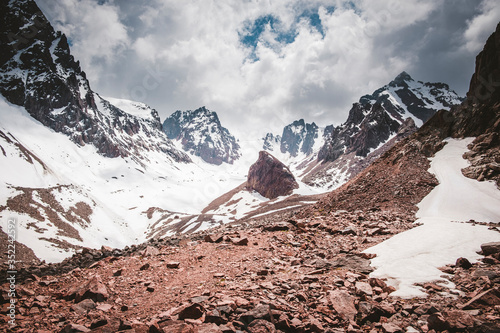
[201, 133]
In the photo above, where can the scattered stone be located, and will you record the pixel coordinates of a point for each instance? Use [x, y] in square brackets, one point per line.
[343, 303]
[464, 263]
[490, 248]
[213, 238]
[173, 264]
[240, 241]
[261, 326]
[487, 298]
[194, 311]
[150, 251]
[74, 328]
[145, 267]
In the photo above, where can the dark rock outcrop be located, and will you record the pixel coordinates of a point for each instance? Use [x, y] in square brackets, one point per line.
[201, 134]
[271, 178]
[298, 137]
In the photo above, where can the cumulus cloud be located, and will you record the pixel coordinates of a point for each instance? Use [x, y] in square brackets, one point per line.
[263, 64]
[481, 26]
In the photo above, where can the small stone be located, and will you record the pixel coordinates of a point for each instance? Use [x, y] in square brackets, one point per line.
[391, 328]
[194, 311]
[490, 248]
[118, 272]
[150, 251]
[173, 264]
[261, 326]
[463, 262]
[240, 241]
[343, 303]
[213, 238]
[74, 328]
[145, 267]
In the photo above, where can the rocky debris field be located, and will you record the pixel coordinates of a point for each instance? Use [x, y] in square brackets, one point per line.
[282, 274]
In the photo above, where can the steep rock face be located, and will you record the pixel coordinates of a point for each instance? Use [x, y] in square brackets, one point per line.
[298, 137]
[480, 115]
[376, 118]
[271, 178]
[38, 72]
[201, 133]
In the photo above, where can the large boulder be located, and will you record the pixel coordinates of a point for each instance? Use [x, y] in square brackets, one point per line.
[271, 178]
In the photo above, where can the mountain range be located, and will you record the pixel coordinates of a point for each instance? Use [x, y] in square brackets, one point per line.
[99, 151]
[371, 225]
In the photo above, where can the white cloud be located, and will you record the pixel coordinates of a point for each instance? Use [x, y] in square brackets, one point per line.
[482, 26]
[195, 48]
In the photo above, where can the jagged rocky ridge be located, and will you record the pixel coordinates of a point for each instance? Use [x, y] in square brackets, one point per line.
[377, 117]
[201, 133]
[335, 154]
[38, 72]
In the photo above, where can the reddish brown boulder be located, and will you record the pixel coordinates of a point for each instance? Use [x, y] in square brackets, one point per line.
[343, 303]
[94, 289]
[270, 178]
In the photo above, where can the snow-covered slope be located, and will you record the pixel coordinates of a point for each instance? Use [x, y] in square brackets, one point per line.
[65, 196]
[415, 255]
[200, 133]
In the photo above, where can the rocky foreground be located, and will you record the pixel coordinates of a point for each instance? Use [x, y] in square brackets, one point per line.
[283, 274]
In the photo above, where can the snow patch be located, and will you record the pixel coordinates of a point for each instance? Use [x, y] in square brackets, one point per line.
[415, 255]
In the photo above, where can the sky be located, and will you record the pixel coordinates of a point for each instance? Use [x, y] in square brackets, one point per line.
[261, 64]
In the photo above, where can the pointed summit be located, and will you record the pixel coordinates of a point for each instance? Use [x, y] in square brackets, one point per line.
[401, 79]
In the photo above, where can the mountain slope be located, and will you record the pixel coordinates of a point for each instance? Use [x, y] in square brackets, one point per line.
[201, 134]
[38, 72]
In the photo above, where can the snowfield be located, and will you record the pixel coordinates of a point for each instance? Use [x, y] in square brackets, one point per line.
[415, 255]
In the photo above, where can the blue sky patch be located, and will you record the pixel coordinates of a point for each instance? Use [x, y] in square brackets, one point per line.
[253, 30]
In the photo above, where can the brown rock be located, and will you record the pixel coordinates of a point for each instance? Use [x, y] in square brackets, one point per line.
[145, 267]
[271, 178]
[463, 262]
[487, 298]
[175, 326]
[391, 328]
[459, 319]
[437, 322]
[93, 289]
[213, 238]
[363, 288]
[74, 328]
[490, 248]
[84, 306]
[240, 241]
[194, 311]
[150, 251]
[343, 303]
[261, 326]
[208, 328]
[173, 264]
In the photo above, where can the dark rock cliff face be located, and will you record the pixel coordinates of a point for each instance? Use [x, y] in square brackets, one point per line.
[201, 133]
[38, 72]
[298, 137]
[271, 178]
[479, 115]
